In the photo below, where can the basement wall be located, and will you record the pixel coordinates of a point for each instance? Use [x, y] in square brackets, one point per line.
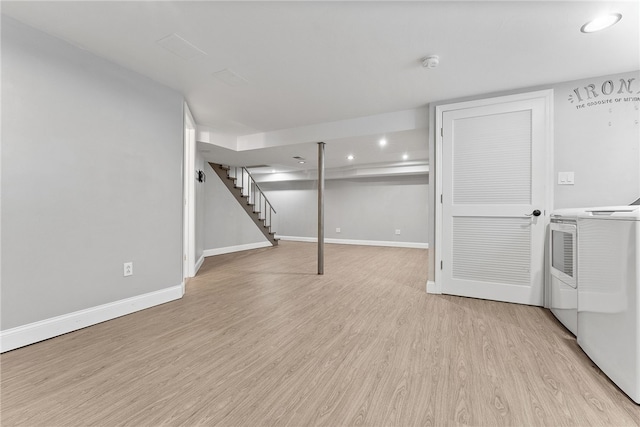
[367, 210]
[200, 203]
[597, 136]
[91, 178]
[227, 227]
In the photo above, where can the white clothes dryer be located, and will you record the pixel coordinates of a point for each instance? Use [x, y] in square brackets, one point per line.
[608, 293]
[562, 263]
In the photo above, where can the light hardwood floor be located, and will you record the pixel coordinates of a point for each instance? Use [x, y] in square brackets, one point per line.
[260, 340]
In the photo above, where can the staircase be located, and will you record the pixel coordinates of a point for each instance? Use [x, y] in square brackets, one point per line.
[247, 192]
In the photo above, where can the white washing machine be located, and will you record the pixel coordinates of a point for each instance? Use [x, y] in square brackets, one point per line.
[562, 285]
[608, 294]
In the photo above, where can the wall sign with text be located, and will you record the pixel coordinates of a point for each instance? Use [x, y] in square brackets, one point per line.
[614, 94]
[608, 92]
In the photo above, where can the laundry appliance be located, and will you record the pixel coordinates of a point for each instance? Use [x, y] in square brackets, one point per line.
[609, 294]
[563, 253]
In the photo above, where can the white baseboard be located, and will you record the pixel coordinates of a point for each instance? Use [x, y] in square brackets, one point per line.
[298, 239]
[20, 336]
[432, 288]
[413, 245]
[237, 248]
[198, 264]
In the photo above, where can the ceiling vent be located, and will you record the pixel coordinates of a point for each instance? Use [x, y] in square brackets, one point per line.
[230, 78]
[179, 46]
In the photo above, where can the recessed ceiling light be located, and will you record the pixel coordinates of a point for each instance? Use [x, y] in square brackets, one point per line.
[601, 22]
[350, 157]
[405, 156]
[302, 162]
[273, 171]
[382, 142]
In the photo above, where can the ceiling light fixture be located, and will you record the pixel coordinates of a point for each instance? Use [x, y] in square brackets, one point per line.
[302, 162]
[601, 22]
[382, 142]
[350, 157]
[405, 156]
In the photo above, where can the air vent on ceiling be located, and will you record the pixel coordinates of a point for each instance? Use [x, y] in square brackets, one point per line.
[256, 166]
[230, 78]
[179, 46]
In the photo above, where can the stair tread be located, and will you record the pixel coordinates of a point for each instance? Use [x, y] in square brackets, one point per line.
[244, 199]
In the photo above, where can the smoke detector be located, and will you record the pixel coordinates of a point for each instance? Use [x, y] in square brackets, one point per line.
[431, 61]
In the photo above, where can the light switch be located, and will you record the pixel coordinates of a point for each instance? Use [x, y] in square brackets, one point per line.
[570, 178]
[565, 178]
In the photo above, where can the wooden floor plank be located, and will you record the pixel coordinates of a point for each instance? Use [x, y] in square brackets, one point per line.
[259, 339]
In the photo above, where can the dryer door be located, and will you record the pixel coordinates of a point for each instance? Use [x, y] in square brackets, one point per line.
[563, 295]
[563, 252]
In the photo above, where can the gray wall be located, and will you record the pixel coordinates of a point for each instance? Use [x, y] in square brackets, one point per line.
[200, 207]
[91, 178]
[599, 140]
[226, 224]
[364, 208]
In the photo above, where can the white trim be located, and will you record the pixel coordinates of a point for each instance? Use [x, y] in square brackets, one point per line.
[360, 171]
[189, 207]
[237, 248]
[199, 264]
[551, 143]
[437, 250]
[548, 96]
[432, 288]
[413, 245]
[299, 239]
[31, 333]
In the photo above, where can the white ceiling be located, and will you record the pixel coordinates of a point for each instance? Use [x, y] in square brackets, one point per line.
[306, 62]
[365, 149]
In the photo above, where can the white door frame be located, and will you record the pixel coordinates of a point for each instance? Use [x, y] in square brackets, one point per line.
[547, 95]
[189, 208]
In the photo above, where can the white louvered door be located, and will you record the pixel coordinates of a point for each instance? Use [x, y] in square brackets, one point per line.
[493, 179]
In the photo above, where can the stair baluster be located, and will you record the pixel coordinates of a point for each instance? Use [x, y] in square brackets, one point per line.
[250, 196]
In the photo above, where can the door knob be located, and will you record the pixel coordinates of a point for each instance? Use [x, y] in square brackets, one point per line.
[536, 212]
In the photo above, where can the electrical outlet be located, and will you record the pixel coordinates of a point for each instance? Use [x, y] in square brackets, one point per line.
[397, 231]
[128, 269]
[338, 230]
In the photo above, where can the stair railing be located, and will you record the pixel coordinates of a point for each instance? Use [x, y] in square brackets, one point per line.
[254, 194]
